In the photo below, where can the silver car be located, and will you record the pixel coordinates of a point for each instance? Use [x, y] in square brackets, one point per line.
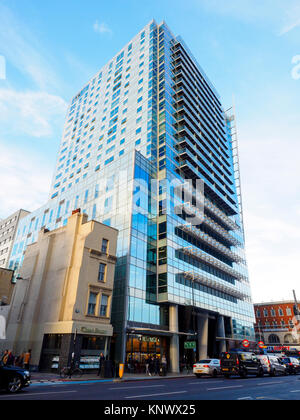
[272, 365]
[208, 367]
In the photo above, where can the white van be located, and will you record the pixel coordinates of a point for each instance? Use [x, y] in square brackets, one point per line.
[272, 365]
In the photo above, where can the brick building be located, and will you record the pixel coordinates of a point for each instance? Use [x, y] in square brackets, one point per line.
[276, 324]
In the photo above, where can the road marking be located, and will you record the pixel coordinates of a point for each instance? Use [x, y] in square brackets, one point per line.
[40, 393]
[295, 391]
[156, 395]
[269, 383]
[205, 383]
[225, 387]
[137, 387]
[245, 398]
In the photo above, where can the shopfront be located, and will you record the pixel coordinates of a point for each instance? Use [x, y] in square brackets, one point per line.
[83, 341]
[140, 348]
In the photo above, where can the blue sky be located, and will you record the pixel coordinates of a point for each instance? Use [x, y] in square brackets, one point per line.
[249, 49]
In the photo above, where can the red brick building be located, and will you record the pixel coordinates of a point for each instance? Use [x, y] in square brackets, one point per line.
[276, 324]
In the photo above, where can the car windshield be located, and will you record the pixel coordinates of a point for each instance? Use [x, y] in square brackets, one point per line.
[205, 362]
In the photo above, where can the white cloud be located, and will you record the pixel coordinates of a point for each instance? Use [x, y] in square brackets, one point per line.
[291, 18]
[25, 180]
[22, 49]
[289, 27]
[32, 113]
[269, 152]
[102, 28]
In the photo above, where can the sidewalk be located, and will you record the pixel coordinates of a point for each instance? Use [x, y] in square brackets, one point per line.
[52, 378]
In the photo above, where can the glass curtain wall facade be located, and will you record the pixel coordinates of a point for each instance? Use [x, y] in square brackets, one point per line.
[139, 140]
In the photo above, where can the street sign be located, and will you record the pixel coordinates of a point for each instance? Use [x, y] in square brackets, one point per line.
[246, 344]
[190, 345]
[261, 344]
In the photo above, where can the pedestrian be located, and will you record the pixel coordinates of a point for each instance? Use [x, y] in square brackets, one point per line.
[101, 363]
[164, 365]
[20, 360]
[10, 359]
[147, 367]
[27, 358]
[156, 366]
[4, 357]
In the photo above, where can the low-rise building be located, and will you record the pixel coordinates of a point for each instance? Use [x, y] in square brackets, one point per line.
[62, 302]
[6, 293]
[8, 230]
[6, 286]
[277, 325]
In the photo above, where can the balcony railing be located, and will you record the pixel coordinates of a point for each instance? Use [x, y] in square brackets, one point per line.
[222, 232]
[208, 240]
[191, 211]
[206, 281]
[214, 262]
[222, 216]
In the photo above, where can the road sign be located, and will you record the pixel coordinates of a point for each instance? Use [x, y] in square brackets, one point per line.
[246, 344]
[190, 345]
[261, 344]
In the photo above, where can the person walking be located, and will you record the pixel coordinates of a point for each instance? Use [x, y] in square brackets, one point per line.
[27, 358]
[4, 357]
[156, 366]
[101, 363]
[164, 365]
[10, 359]
[147, 367]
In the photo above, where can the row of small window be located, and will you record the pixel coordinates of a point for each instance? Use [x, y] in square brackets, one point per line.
[4, 251]
[5, 241]
[4, 225]
[273, 312]
[6, 232]
[276, 324]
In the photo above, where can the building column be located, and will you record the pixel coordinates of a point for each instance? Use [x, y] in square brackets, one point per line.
[202, 336]
[221, 334]
[174, 341]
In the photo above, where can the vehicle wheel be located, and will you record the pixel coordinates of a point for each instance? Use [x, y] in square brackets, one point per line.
[244, 374]
[199, 376]
[14, 385]
[261, 373]
[227, 376]
[274, 372]
[215, 374]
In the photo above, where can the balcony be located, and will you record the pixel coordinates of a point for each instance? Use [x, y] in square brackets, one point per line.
[214, 262]
[220, 231]
[206, 281]
[208, 240]
[221, 215]
[191, 211]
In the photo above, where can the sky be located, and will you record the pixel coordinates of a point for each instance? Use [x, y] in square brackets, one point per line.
[249, 49]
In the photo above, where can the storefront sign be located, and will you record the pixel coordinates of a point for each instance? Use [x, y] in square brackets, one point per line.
[150, 339]
[96, 331]
[190, 345]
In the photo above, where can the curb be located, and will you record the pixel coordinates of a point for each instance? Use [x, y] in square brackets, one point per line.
[125, 380]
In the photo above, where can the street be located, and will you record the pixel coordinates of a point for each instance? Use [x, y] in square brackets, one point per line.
[278, 388]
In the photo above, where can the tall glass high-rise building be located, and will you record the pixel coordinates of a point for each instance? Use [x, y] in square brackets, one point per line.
[148, 149]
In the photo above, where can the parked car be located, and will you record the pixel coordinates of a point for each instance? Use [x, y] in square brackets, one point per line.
[272, 365]
[292, 365]
[13, 378]
[242, 364]
[208, 367]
